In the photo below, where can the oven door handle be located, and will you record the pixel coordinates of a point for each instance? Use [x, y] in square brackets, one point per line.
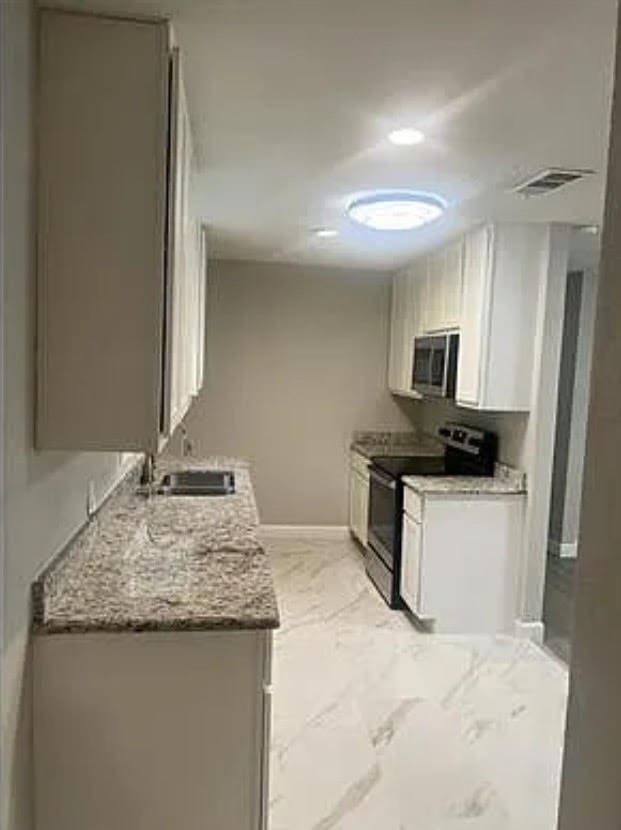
[385, 481]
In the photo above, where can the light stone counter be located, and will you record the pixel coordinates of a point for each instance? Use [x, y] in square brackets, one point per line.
[372, 444]
[162, 563]
[505, 481]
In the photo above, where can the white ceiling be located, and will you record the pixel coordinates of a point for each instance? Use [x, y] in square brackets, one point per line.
[291, 101]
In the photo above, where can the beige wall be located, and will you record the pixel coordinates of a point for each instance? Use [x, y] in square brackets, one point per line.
[45, 495]
[296, 361]
[591, 792]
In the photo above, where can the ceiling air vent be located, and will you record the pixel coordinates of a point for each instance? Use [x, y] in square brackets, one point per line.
[547, 181]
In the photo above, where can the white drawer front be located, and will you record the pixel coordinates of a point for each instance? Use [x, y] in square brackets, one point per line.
[413, 505]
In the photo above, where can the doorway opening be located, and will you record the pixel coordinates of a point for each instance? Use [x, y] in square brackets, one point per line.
[569, 450]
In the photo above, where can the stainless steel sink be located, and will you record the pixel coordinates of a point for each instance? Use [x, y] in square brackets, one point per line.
[198, 483]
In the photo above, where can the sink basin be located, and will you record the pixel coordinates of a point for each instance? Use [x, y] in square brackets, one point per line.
[198, 483]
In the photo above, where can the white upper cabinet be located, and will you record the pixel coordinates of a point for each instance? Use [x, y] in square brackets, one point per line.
[453, 285]
[186, 315]
[442, 308]
[484, 285]
[398, 315]
[408, 290]
[118, 282]
[473, 334]
[502, 266]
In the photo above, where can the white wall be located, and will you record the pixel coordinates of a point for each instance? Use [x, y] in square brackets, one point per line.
[45, 495]
[296, 361]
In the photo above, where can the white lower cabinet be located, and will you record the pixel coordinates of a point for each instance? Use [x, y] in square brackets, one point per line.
[460, 560]
[152, 731]
[359, 497]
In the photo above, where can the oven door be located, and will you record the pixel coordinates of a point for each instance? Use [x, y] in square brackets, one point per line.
[382, 530]
[429, 373]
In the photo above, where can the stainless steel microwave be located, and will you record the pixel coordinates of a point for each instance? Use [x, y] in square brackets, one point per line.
[434, 368]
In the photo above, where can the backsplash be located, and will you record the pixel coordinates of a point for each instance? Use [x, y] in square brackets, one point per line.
[388, 438]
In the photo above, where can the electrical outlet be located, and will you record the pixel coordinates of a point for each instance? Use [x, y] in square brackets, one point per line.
[91, 500]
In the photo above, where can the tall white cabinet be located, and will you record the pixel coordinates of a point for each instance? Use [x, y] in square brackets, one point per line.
[502, 267]
[119, 275]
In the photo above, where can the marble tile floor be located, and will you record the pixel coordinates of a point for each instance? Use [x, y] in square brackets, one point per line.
[379, 727]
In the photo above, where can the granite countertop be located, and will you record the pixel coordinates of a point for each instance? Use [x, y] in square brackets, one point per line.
[505, 481]
[372, 444]
[162, 563]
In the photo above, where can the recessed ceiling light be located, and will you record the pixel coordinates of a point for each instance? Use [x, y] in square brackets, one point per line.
[406, 137]
[399, 210]
[326, 233]
[591, 229]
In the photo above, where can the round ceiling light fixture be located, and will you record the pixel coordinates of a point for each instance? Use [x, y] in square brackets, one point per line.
[397, 210]
[406, 137]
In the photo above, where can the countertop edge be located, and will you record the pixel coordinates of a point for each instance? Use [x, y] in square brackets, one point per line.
[152, 626]
[451, 487]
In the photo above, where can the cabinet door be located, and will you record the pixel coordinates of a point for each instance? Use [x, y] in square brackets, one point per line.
[102, 116]
[434, 302]
[452, 285]
[201, 334]
[475, 317]
[411, 325]
[397, 324]
[402, 333]
[180, 375]
[358, 505]
[419, 297]
[363, 508]
[410, 562]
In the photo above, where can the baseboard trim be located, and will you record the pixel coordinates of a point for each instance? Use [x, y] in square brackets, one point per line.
[565, 550]
[533, 631]
[336, 532]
